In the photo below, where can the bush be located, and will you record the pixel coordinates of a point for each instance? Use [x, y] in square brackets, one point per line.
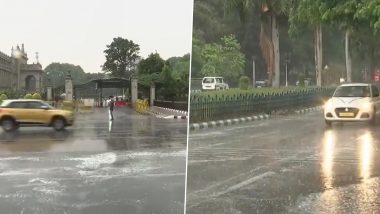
[244, 83]
[37, 96]
[3, 97]
[28, 96]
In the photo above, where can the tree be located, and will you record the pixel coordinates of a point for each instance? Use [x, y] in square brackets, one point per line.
[173, 83]
[270, 47]
[309, 12]
[369, 10]
[122, 56]
[342, 14]
[223, 59]
[57, 72]
[150, 69]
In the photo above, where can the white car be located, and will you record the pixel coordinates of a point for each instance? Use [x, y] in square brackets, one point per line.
[353, 102]
[214, 83]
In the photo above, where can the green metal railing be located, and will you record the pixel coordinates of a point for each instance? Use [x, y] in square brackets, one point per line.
[219, 106]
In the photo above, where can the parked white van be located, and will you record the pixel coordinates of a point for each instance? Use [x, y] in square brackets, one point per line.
[214, 83]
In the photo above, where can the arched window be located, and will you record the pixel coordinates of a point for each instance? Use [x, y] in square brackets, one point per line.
[30, 83]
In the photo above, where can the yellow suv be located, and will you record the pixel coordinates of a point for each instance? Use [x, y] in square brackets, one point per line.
[28, 112]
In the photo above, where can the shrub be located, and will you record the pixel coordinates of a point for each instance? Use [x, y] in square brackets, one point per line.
[3, 97]
[36, 96]
[28, 96]
[244, 83]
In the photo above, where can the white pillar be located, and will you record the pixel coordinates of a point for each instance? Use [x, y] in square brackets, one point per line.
[134, 92]
[69, 88]
[49, 91]
[152, 94]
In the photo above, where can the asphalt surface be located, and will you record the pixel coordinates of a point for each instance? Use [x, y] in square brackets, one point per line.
[135, 164]
[291, 164]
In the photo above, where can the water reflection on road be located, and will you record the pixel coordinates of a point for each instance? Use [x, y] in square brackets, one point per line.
[93, 132]
[134, 164]
[337, 154]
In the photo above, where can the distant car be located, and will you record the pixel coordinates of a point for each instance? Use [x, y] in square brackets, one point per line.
[29, 112]
[214, 83]
[353, 102]
[261, 84]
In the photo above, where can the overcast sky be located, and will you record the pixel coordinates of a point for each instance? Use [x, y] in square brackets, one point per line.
[77, 31]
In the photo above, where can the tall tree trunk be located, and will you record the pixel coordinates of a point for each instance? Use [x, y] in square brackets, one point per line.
[267, 52]
[348, 56]
[318, 54]
[276, 51]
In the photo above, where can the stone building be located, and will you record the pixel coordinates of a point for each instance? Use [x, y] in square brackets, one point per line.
[17, 74]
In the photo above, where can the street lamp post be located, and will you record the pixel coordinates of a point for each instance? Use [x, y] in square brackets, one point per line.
[287, 61]
[286, 74]
[253, 72]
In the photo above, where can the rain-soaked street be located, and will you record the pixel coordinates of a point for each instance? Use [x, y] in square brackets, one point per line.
[289, 164]
[135, 164]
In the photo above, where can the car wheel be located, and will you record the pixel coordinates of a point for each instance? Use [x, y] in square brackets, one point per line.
[8, 125]
[59, 124]
[328, 123]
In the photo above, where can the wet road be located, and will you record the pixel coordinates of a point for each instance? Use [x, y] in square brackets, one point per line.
[136, 164]
[291, 164]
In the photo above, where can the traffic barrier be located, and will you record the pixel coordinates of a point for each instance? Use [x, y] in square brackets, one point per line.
[141, 106]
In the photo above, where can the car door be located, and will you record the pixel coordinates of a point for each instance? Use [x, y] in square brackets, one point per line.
[38, 112]
[17, 109]
[376, 97]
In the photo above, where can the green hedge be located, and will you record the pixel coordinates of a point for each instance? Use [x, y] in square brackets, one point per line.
[244, 83]
[207, 106]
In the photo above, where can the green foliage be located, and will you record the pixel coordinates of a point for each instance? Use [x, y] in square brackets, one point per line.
[121, 57]
[173, 83]
[150, 69]
[214, 19]
[369, 11]
[57, 72]
[28, 96]
[3, 97]
[250, 91]
[36, 96]
[224, 59]
[244, 83]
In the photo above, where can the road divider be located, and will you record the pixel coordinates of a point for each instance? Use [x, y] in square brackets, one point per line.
[220, 123]
[229, 122]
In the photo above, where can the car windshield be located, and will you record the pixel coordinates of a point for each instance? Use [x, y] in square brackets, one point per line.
[208, 80]
[352, 91]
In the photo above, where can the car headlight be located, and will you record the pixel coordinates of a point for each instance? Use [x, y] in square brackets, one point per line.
[328, 104]
[367, 107]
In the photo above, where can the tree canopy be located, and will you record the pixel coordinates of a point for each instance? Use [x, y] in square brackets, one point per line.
[149, 69]
[349, 28]
[57, 72]
[122, 57]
